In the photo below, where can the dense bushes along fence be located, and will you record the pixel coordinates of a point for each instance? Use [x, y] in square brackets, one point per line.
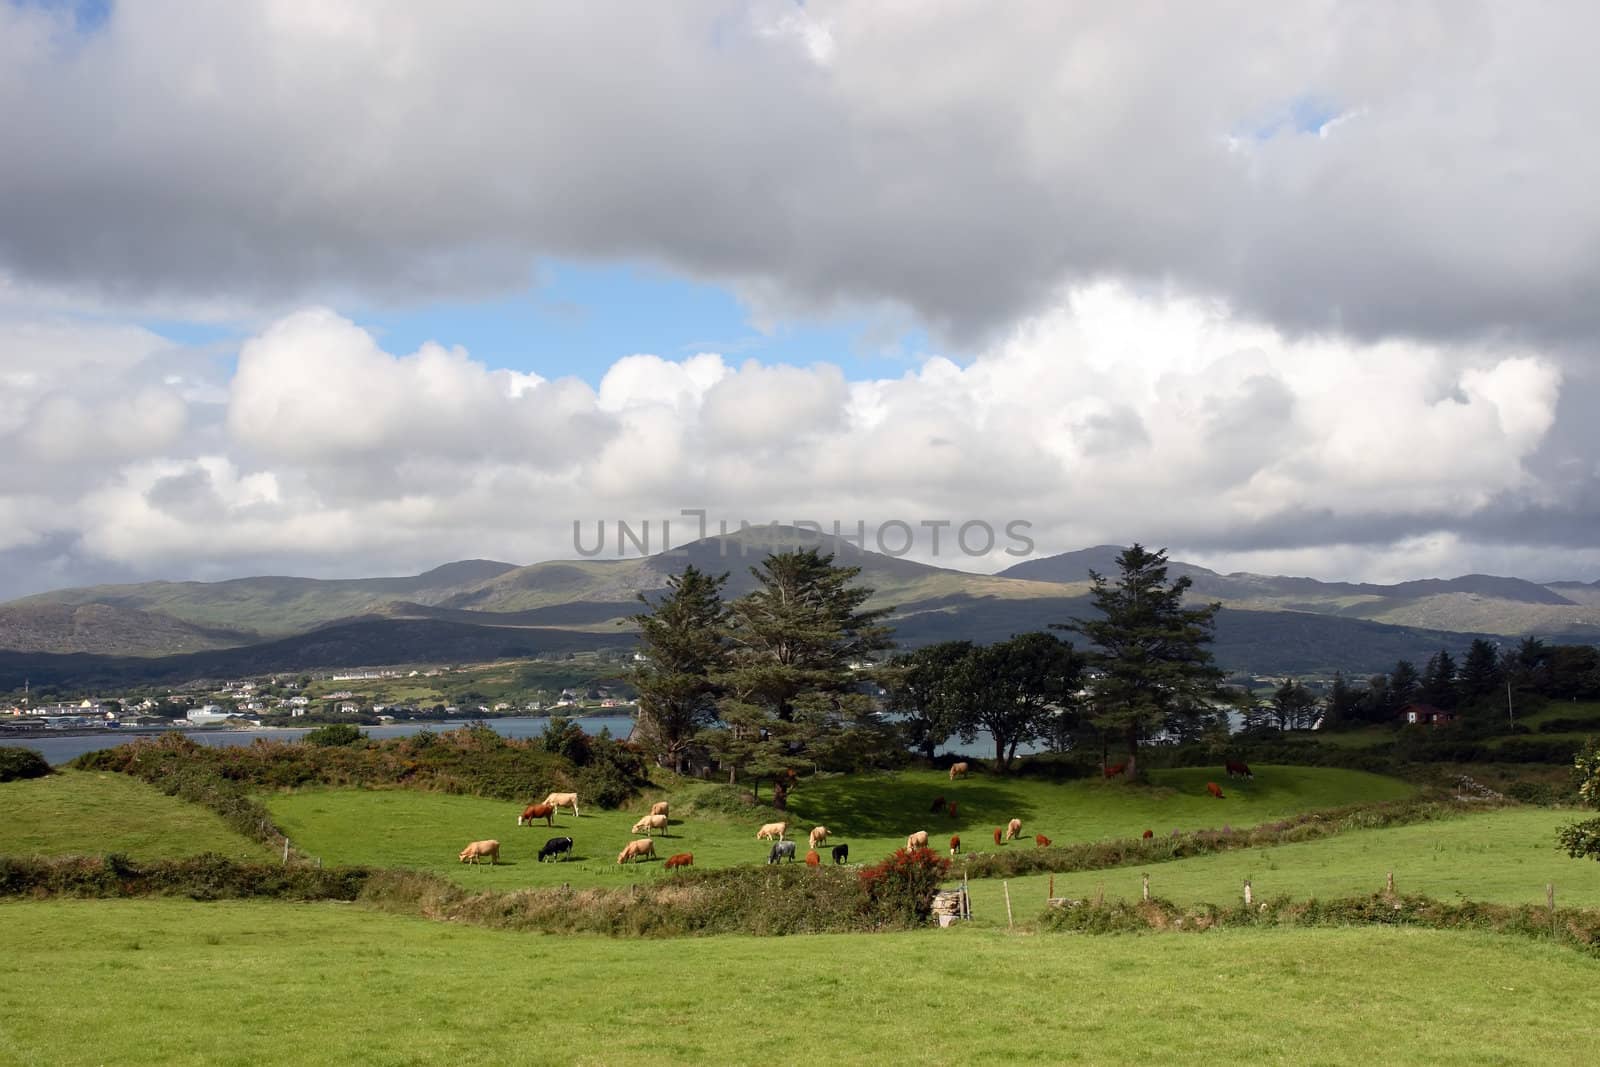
[1578, 927]
[791, 899]
[473, 760]
[1308, 826]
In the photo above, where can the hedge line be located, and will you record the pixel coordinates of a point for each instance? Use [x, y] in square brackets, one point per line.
[1577, 927]
[761, 901]
[1308, 826]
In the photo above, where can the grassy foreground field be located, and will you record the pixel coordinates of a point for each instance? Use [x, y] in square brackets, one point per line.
[87, 812]
[245, 983]
[1504, 856]
[871, 813]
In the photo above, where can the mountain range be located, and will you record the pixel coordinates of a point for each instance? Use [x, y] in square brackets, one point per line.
[483, 609]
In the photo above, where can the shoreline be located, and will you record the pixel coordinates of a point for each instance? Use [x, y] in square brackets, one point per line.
[33, 733]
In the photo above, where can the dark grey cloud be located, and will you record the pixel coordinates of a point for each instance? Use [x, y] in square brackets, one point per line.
[1409, 169]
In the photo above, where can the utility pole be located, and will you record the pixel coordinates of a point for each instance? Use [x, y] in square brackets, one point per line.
[1511, 715]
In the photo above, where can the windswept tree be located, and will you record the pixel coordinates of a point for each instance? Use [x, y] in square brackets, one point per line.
[918, 686]
[683, 642]
[1014, 690]
[794, 687]
[1150, 654]
[1293, 706]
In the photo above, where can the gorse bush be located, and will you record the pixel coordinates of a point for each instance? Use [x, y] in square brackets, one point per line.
[19, 763]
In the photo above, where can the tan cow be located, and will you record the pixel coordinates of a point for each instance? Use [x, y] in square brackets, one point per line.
[479, 849]
[651, 822]
[819, 834]
[658, 808]
[1013, 828]
[958, 770]
[772, 830]
[561, 800]
[917, 840]
[637, 850]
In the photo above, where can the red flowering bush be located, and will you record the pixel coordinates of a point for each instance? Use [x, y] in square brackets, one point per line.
[900, 889]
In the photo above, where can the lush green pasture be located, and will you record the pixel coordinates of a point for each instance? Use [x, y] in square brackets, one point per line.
[175, 982]
[1505, 856]
[871, 813]
[85, 812]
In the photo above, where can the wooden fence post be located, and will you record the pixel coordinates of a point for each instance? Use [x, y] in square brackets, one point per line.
[1147, 887]
[1247, 895]
[1007, 887]
[1050, 894]
[1550, 902]
[1388, 884]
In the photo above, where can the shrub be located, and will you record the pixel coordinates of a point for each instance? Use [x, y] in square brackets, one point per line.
[899, 891]
[19, 763]
[339, 733]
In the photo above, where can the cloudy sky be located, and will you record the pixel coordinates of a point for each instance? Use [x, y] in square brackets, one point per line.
[336, 289]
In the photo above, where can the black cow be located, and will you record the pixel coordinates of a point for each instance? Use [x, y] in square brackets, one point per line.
[780, 850]
[559, 847]
[841, 853]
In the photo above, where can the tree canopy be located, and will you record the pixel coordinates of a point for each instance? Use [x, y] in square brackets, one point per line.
[684, 648]
[1149, 658]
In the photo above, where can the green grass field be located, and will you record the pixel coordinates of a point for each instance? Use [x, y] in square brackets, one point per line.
[871, 813]
[1503, 856]
[174, 982]
[84, 812]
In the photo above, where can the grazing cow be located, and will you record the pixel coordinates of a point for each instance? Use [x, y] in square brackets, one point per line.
[561, 800]
[1214, 789]
[937, 805]
[812, 859]
[955, 844]
[1238, 769]
[772, 830]
[958, 770]
[1013, 829]
[917, 840]
[479, 849]
[651, 822]
[637, 850]
[997, 833]
[841, 853]
[556, 847]
[1041, 841]
[1148, 834]
[682, 859]
[952, 809]
[547, 812]
[819, 834]
[659, 808]
[781, 850]
[1115, 769]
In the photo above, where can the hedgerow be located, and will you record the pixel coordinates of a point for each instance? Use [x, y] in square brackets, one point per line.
[18, 763]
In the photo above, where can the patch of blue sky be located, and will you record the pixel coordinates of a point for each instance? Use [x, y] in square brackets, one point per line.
[1305, 114]
[581, 318]
[87, 15]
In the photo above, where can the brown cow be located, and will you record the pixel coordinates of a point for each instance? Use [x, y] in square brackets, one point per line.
[812, 859]
[958, 770]
[1115, 769]
[1148, 834]
[547, 812]
[937, 805]
[1013, 829]
[637, 850]
[1214, 789]
[1041, 841]
[952, 809]
[955, 844]
[682, 859]
[997, 833]
[1238, 769]
[479, 849]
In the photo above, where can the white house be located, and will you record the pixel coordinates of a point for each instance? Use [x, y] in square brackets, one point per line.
[208, 714]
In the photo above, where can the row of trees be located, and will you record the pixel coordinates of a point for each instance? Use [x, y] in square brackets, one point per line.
[773, 678]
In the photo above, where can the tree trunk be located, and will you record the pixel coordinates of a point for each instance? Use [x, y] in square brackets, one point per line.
[1001, 763]
[1133, 751]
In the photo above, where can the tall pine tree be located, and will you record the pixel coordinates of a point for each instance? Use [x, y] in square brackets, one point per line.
[1149, 650]
[683, 641]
